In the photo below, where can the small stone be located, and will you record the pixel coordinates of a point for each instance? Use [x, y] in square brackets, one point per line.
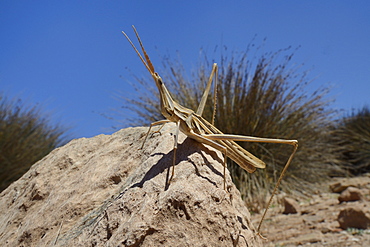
[353, 217]
[338, 187]
[350, 194]
[290, 206]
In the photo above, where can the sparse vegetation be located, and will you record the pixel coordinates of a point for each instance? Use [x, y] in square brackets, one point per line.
[25, 137]
[355, 231]
[266, 97]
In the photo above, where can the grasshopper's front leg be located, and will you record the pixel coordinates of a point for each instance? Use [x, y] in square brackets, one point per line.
[175, 141]
[150, 127]
[175, 150]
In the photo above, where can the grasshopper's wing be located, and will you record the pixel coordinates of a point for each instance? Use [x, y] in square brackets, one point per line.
[242, 157]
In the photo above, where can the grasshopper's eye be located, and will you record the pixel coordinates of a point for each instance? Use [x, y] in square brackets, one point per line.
[158, 77]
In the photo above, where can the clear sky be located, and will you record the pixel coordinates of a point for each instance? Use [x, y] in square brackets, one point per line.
[70, 56]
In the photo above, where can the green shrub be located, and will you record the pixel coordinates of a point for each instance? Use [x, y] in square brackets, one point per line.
[265, 98]
[25, 137]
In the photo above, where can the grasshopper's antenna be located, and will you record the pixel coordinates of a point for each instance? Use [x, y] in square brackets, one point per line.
[148, 65]
[142, 48]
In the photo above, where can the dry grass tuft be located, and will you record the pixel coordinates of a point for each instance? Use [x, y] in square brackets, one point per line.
[25, 137]
[352, 136]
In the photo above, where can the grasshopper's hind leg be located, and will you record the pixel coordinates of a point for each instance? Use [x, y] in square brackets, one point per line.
[295, 145]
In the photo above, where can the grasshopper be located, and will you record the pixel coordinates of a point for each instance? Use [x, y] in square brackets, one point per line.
[196, 127]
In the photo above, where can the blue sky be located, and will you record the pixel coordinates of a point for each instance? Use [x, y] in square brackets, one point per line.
[70, 56]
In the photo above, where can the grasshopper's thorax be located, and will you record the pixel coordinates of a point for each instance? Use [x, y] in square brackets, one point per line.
[170, 109]
[167, 103]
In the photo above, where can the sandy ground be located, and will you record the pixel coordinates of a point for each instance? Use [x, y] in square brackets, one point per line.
[317, 222]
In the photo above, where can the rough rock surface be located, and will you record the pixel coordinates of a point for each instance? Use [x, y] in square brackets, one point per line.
[353, 217]
[350, 194]
[103, 191]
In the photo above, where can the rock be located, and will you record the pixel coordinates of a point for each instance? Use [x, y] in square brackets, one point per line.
[103, 191]
[353, 217]
[350, 194]
[339, 186]
[290, 206]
